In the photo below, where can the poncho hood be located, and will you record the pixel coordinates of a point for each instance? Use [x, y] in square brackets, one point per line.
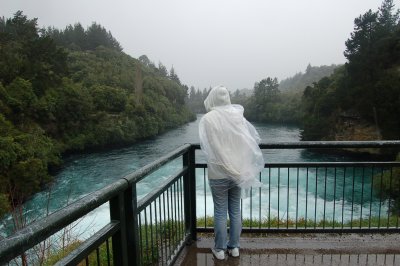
[218, 96]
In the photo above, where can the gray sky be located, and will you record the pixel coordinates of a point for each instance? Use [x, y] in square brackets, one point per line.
[211, 42]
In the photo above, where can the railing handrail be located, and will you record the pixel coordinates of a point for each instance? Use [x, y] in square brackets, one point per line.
[325, 144]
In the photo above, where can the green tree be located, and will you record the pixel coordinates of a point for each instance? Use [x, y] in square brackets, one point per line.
[26, 54]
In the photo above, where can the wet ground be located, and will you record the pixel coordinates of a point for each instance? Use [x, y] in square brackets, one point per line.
[316, 249]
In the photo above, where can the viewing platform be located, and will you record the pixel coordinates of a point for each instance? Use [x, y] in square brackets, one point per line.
[302, 249]
[307, 213]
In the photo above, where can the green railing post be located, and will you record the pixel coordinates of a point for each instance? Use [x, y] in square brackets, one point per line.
[189, 185]
[125, 243]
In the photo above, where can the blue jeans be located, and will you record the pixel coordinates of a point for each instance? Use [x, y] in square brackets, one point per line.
[226, 197]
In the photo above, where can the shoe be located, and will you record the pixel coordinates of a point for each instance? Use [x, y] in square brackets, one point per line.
[220, 255]
[234, 252]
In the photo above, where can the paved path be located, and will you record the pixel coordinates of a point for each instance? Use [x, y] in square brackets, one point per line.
[316, 249]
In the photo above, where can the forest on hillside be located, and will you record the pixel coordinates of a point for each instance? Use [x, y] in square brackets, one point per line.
[361, 95]
[269, 100]
[73, 90]
[367, 88]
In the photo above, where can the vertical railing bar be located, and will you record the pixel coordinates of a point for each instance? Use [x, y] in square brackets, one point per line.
[178, 212]
[380, 198]
[182, 210]
[161, 230]
[165, 233]
[269, 197]
[108, 252]
[343, 196]
[259, 203]
[171, 222]
[140, 237]
[279, 198]
[352, 197]
[251, 208]
[305, 219]
[177, 200]
[132, 244]
[189, 184]
[287, 205]
[123, 208]
[173, 214]
[173, 206]
[87, 261]
[98, 256]
[151, 233]
[173, 227]
[362, 195]
[334, 198]
[205, 198]
[156, 227]
[297, 195]
[316, 197]
[390, 197]
[326, 176]
[169, 226]
[146, 234]
[241, 210]
[370, 200]
[176, 219]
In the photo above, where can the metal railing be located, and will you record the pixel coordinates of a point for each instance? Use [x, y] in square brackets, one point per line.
[297, 197]
[317, 197]
[150, 230]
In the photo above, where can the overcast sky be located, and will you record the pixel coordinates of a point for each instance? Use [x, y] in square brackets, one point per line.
[212, 42]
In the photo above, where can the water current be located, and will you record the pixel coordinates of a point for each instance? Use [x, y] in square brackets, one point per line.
[324, 197]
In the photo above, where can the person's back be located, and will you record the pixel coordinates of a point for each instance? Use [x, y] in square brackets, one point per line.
[234, 161]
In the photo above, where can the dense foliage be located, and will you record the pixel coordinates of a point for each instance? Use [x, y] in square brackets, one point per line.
[301, 80]
[269, 101]
[68, 90]
[195, 102]
[367, 88]
[281, 102]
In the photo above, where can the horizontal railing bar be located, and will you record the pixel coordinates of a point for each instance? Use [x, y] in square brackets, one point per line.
[331, 164]
[309, 230]
[148, 169]
[325, 144]
[146, 200]
[29, 236]
[90, 244]
[319, 164]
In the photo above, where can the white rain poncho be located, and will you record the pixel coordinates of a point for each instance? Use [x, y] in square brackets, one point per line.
[229, 141]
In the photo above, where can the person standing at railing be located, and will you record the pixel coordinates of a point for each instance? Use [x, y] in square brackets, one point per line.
[234, 161]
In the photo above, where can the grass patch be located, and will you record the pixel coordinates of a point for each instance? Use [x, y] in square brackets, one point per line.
[276, 223]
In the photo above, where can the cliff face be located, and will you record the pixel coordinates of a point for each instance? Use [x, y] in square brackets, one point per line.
[351, 127]
[354, 128]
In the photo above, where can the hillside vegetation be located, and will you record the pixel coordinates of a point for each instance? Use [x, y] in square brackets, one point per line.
[366, 90]
[73, 90]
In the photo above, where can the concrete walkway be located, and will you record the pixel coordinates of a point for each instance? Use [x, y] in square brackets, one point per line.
[316, 249]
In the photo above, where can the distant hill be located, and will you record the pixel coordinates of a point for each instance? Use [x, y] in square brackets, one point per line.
[301, 80]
